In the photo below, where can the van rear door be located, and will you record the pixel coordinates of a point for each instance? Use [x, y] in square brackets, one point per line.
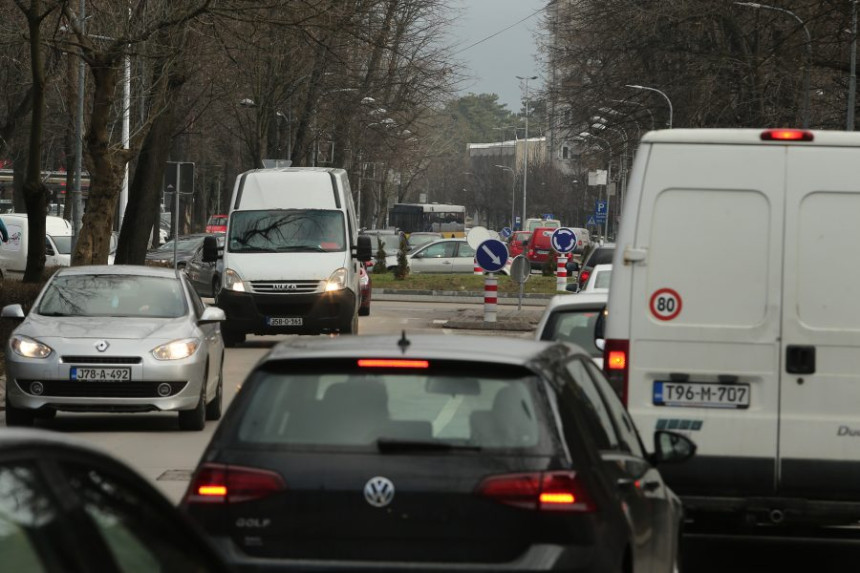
[705, 311]
[819, 440]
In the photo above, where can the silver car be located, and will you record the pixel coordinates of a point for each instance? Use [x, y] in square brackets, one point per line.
[119, 338]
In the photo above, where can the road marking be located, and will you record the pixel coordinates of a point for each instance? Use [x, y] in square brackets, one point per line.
[440, 321]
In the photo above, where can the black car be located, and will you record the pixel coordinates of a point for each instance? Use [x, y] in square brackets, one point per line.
[65, 506]
[442, 453]
[186, 247]
[599, 255]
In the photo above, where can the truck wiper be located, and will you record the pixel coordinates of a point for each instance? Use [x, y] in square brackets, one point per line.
[391, 445]
[313, 248]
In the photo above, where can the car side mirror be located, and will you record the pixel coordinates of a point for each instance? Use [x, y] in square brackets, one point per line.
[212, 314]
[364, 249]
[210, 249]
[671, 447]
[12, 311]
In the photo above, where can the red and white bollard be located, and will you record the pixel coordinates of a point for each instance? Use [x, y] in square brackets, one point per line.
[491, 292]
[478, 270]
[561, 274]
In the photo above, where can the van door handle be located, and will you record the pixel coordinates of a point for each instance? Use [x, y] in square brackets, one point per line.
[800, 359]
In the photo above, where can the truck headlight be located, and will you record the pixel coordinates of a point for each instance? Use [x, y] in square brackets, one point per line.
[337, 280]
[29, 348]
[232, 281]
[176, 349]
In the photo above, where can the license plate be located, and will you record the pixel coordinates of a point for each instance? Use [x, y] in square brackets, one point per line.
[100, 374]
[701, 395]
[272, 321]
[542, 252]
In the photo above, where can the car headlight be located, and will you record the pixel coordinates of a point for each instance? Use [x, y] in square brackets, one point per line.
[176, 349]
[337, 280]
[232, 281]
[29, 348]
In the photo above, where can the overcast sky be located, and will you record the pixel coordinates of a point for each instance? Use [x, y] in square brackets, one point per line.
[494, 63]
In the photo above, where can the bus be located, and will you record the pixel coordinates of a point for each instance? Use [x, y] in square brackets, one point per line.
[450, 220]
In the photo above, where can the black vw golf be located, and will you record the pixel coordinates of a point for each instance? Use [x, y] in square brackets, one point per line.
[435, 453]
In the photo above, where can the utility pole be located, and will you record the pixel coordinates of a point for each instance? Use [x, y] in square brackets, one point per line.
[526, 157]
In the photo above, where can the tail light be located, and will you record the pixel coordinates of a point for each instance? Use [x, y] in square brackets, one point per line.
[543, 491]
[583, 277]
[219, 483]
[616, 364]
[787, 135]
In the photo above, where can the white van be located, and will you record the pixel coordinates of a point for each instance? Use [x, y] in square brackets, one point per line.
[734, 318]
[13, 254]
[292, 254]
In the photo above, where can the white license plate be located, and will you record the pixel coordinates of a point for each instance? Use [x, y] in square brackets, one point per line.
[701, 395]
[542, 252]
[272, 321]
[100, 374]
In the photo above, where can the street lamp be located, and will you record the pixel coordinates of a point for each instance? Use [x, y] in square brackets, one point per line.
[638, 87]
[757, 6]
[513, 190]
[526, 158]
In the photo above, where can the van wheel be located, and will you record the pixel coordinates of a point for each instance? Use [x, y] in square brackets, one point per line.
[231, 337]
[195, 420]
[18, 416]
[216, 285]
[352, 326]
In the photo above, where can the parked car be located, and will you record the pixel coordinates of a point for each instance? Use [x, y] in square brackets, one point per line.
[389, 240]
[445, 256]
[599, 279]
[217, 224]
[422, 238]
[67, 506]
[448, 453]
[572, 318]
[366, 290]
[205, 276]
[186, 247]
[599, 255]
[517, 243]
[118, 338]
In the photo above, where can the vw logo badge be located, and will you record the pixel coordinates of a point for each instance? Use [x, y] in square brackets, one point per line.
[379, 491]
[102, 345]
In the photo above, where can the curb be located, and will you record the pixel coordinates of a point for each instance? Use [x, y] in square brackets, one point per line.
[458, 293]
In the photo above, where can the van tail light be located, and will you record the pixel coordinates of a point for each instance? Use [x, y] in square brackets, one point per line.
[542, 491]
[616, 364]
[219, 483]
[786, 135]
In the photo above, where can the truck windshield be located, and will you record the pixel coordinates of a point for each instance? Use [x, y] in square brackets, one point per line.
[287, 230]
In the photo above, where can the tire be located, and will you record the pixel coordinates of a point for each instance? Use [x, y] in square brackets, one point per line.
[213, 408]
[231, 337]
[216, 283]
[352, 326]
[18, 416]
[364, 310]
[194, 420]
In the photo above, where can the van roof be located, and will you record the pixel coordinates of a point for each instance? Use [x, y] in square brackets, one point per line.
[749, 137]
[289, 187]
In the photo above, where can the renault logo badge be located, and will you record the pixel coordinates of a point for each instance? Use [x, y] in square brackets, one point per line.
[102, 345]
[379, 491]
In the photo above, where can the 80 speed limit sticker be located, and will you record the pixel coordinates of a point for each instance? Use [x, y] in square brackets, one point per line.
[665, 304]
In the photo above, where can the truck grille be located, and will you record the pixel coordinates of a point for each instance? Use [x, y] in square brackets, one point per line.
[286, 287]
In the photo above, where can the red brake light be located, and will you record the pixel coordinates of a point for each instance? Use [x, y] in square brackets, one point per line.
[219, 483]
[786, 135]
[583, 276]
[616, 361]
[392, 363]
[545, 491]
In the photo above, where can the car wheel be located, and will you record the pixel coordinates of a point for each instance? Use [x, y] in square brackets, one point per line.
[18, 416]
[216, 286]
[194, 420]
[364, 310]
[213, 408]
[231, 337]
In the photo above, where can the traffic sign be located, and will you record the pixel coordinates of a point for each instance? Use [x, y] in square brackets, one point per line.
[505, 232]
[591, 222]
[521, 269]
[476, 236]
[600, 208]
[563, 240]
[492, 255]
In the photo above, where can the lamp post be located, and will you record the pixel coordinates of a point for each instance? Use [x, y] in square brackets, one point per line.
[638, 87]
[757, 6]
[582, 137]
[513, 190]
[526, 157]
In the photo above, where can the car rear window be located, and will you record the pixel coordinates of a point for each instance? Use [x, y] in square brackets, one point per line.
[575, 326]
[352, 407]
[602, 256]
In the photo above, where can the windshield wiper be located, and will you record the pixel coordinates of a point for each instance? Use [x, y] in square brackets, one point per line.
[303, 248]
[56, 314]
[391, 445]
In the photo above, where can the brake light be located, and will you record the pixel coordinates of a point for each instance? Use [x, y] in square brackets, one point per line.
[583, 277]
[786, 135]
[543, 491]
[220, 483]
[616, 359]
[392, 363]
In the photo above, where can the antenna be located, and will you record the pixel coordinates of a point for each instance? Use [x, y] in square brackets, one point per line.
[404, 342]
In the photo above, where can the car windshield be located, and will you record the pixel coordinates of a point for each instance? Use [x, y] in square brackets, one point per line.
[575, 326]
[63, 243]
[113, 295]
[184, 244]
[354, 409]
[287, 230]
[601, 279]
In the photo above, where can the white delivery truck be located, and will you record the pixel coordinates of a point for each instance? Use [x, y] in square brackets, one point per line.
[13, 253]
[734, 318]
[292, 254]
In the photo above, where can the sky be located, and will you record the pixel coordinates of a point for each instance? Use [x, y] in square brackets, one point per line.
[494, 63]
